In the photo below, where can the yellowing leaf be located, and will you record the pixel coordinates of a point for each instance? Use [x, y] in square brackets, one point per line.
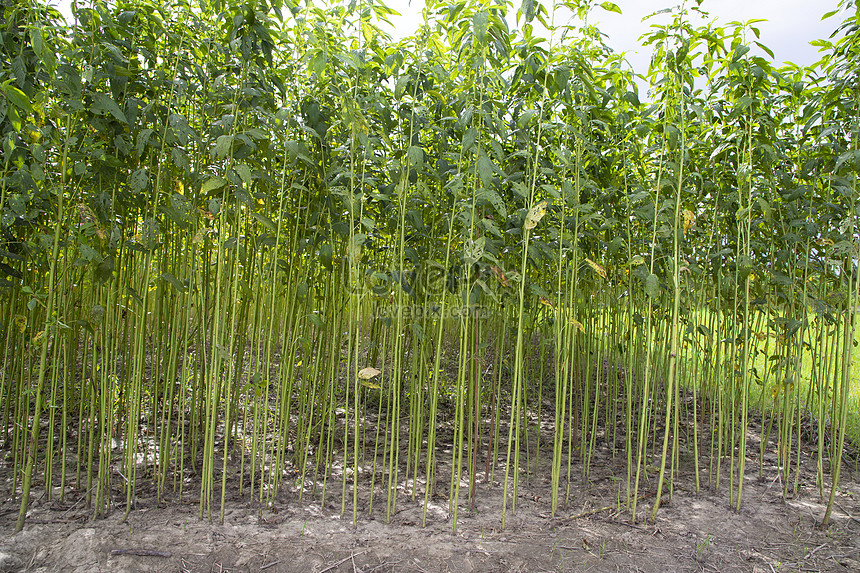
[536, 213]
[689, 219]
[371, 385]
[368, 373]
[597, 268]
[20, 323]
[577, 324]
[546, 302]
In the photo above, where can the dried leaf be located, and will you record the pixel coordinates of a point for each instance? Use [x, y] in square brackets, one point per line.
[500, 276]
[597, 268]
[368, 373]
[689, 219]
[536, 213]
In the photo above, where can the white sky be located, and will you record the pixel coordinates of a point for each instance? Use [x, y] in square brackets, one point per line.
[790, 25]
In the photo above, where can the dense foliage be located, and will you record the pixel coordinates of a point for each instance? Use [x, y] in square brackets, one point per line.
[242, 236]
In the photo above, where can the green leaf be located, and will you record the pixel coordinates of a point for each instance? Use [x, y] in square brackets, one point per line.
[610, 7]
[174, 282]
[97, 313]
[133, 294]
[481, 22]
[102, 104]
[469, 138]
[38, 42]
[473, 250]
[316, 320]
[525, 118]
[18, 98]
[520, 189]
[415, 155]
[318, 62]
[485, 170]
[652, 285]
[766, 50]
[268, 223]
[346, 59]
[88, 253]
[765, 208]
[223, 352]
[326, 256]
[400, 86]
[142, 139]
[213, 184]
[739, 52]
[138, 180]
[222, 146]
[493, 199]
[15, 118]
[528, 10]
[245, 173]
[299, 150]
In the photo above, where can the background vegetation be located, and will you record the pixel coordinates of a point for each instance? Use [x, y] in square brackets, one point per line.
[237, 236]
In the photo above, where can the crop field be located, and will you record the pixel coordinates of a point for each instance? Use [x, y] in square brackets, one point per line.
[261, 254]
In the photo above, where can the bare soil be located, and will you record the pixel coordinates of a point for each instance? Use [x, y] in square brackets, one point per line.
[694, 531]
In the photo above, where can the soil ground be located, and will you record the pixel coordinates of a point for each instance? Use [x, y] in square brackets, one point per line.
[693, 531]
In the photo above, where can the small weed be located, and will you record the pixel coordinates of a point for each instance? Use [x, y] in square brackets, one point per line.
[702, 546]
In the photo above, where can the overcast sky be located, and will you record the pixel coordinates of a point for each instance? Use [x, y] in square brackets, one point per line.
[790, 25]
